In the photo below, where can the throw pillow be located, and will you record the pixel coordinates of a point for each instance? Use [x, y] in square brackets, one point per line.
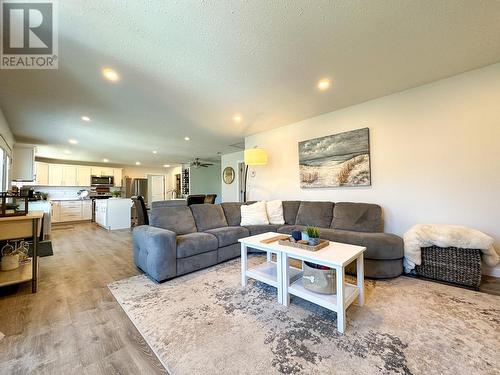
[275, 212]
[254, 214]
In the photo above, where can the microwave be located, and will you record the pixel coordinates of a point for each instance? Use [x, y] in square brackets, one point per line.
[102, 181]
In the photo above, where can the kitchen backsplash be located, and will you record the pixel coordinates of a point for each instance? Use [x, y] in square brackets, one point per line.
[57, 192]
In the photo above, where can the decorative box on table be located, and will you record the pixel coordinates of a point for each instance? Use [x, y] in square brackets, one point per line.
[12, 205]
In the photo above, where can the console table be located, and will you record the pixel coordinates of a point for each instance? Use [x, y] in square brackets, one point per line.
[19, 227]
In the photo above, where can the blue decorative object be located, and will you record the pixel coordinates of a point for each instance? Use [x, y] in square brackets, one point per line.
[297, 235]
[313, 241]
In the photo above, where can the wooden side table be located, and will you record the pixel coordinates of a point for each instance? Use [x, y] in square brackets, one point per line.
[19, 227]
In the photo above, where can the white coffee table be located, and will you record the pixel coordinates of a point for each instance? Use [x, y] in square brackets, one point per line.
[336, 255]
[269, 272]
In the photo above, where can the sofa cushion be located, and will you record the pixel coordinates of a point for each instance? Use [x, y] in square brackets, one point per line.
[290, 209]
[316, 214]
[229, 235]
[259, 229]
[177, 219]
[232, 211]
[254, 214]
[195, 243]
[274, 211]
[378, 245]
[360, 217]
[208, 216]
[287, 229]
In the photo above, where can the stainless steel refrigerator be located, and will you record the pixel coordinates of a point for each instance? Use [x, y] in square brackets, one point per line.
[136, 186]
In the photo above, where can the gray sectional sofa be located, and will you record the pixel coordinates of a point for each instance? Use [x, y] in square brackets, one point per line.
[184, 239]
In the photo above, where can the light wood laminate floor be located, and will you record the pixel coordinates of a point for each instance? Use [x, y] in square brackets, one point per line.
[73, 325]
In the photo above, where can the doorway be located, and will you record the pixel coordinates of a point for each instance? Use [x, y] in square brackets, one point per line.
[157, 188]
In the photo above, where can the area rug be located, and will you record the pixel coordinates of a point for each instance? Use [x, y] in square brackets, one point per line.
[206, 323]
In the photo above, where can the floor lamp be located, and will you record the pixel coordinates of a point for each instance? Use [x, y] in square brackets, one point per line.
[253, 157]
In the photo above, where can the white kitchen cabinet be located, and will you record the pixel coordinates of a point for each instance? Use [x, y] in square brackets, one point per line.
[23, 167]
[117, 176]
[71, 211]
[55, 175]
[41, 173]
[83, 176]
[87, 210]
[113, 213]
[56, 211]
[69, 175]
[102, 171]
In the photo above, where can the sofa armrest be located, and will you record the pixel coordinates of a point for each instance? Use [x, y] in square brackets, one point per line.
[155, 251]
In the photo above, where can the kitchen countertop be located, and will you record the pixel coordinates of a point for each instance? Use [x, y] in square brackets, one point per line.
[68, 199]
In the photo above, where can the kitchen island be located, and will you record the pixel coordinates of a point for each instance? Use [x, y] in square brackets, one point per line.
[113, 213]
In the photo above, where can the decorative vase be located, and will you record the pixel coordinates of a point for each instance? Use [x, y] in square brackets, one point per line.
[313, 241]
[297, 235]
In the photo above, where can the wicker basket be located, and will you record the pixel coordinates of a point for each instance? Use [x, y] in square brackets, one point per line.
[451, 264]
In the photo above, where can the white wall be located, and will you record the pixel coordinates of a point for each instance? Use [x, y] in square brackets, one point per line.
[230, 193]
[205, 180]
[435, 154]
[5, 132]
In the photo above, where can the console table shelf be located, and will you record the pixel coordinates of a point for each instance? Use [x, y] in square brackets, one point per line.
[20, 227]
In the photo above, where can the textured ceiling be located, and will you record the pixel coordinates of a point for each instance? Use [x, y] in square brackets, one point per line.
[188, 66]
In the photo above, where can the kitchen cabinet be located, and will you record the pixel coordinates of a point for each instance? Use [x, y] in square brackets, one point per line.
[56, 211]
[102, 171]
[69, 175]
[87, 210]
[41, 173]
[113, 213]
[23, 167]
[83, 176]
[55, 175]
[117, 175]
[71, 210]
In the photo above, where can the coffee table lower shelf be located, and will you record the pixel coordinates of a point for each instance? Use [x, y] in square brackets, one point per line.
[328, 301]
[267, 273]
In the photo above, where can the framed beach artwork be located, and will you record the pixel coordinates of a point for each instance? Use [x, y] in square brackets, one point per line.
[336, 160]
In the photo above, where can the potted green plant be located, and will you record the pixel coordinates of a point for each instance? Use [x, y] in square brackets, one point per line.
[116, 193]
[313, 234]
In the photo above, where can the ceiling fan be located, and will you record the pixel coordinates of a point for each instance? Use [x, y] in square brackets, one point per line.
[197, 163]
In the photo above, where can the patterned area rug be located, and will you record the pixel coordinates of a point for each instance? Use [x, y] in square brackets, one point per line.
[205, 323]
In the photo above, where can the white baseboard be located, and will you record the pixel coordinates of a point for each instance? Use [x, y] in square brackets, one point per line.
[491, 271]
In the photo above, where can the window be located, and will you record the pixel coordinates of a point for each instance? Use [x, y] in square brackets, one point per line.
[2, 170]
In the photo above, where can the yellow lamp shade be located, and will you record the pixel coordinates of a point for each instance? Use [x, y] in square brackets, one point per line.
[255, 156]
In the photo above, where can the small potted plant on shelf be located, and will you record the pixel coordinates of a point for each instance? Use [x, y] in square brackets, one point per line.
[313, 234]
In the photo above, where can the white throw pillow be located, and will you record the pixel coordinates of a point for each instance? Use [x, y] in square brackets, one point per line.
[275, 212]
[254, 214]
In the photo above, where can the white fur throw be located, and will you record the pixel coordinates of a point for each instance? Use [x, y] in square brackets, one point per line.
[425, 235]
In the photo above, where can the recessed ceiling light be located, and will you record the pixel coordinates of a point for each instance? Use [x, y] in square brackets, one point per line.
[86, 118]
[137, 163]
[324, 84]
[67, 152]
[155, 152]
[110, 75]
[73, 141]
[105, 160]
[187, 138]
[237, 118]
[166, 165]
